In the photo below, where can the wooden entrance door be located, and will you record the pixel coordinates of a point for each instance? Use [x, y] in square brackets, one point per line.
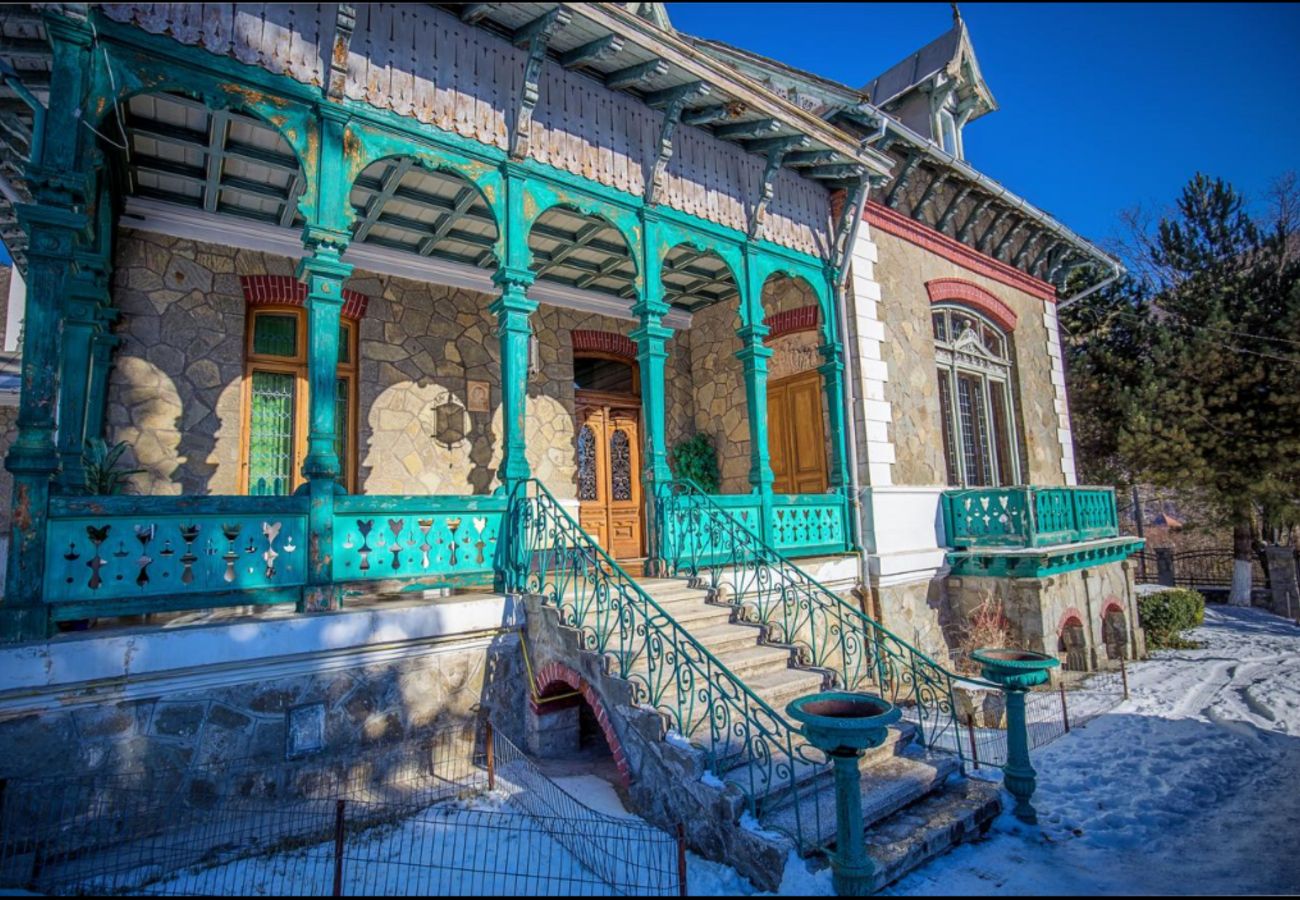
[796, 441]
[609, 473]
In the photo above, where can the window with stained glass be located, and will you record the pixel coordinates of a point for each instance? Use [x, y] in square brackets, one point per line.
[974, 373]
[275, 429]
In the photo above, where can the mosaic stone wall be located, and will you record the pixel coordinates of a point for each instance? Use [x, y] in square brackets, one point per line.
[176, 392]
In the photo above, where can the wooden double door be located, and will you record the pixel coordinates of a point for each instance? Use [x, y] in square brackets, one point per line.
[796, 440]
[609, 472]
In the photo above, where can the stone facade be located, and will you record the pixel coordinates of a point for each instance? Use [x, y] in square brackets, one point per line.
[1040, 610]
[902, 270]
[176, 388]
[719, 382]
[918, 612]
[247, 719]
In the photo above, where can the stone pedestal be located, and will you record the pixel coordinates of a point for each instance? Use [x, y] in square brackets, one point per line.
[1283, 581]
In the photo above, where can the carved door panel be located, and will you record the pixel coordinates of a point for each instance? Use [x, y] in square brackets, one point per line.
[796, 438]
[624, 444]
[593, 491]
[777, 428]
[609, 477]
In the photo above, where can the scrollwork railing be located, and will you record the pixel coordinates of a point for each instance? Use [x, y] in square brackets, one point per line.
[547, 554]
[700, 540]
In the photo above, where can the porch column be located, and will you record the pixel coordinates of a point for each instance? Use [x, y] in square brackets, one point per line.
[324, 274]
[652, 354]
[86, 292]
[832, 371]
[54, 222]
[512, 310]
[754, 355]
[102, 344]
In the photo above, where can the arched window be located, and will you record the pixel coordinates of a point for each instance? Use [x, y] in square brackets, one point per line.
[275, 391]
[979, 434]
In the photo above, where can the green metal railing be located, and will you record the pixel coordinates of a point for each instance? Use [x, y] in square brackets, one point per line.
[700, 540]
[746, 742]
[1018, 517]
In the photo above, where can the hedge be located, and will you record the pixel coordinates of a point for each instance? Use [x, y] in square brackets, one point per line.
[1165, 614]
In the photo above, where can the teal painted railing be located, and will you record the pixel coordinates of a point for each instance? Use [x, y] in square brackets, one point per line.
[122, 555]
[745, 740]
[428, 541]
[857, 653]
[809, 524]
[1014, 517]
[802, 524]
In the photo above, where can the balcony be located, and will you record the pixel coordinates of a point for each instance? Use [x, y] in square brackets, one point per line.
[1032, 531]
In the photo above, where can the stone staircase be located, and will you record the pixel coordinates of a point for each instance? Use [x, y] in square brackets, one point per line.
[916, 805]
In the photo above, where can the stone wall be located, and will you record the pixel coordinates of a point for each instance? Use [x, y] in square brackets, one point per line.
[719, 382]
[902, 271]
[1039, 609]
[175, 392]
[246, 719]
[918, 613]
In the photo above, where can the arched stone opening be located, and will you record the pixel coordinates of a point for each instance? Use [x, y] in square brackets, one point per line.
[1114, 632]
[1073, 642]
[567, 720]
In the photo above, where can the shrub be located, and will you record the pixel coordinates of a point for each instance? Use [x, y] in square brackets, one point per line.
[986, 626]
[1166, 614]
[695, 458]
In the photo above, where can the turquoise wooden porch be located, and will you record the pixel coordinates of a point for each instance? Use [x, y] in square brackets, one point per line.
[75, 556]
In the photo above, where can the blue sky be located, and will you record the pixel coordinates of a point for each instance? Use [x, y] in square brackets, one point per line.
[1102, 105]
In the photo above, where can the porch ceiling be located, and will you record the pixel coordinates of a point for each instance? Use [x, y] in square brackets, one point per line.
[224, 162]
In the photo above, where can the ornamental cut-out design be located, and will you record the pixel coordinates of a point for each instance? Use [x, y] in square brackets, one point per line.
[587, 464]
[620, 465]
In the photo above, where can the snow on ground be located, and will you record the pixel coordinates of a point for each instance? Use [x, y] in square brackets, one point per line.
[1193, 785]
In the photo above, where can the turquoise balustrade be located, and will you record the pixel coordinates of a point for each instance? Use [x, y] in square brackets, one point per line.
[809, 524]
[704, 542]
[744, 740]
[126, 555]
[1021, 517]
[428, 541]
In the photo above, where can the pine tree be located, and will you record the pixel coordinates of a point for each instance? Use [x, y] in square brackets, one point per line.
[1187, 374]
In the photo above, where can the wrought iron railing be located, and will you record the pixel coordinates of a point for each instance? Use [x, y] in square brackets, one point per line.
[827, 633]
[1012, 517]
[547, 554]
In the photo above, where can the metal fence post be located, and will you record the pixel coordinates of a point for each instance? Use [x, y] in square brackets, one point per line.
[340, 812]
[974, 749]
[681, 859]
[489, 739]
[1065, 712]
[1123, 676]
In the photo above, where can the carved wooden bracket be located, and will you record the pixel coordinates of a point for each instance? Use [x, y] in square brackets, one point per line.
[674, 102]
[776, 149]
[534, 36]
[344, 22]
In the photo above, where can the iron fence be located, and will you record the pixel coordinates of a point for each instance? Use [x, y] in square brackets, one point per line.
[1198, 569]
[1073, 699]
[465, 814]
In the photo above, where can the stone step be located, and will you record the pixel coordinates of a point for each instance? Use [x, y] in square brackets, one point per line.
[887, 785]
[774, 786]
[720, 638]
[913, 836]
[676, 591]
[745, 662]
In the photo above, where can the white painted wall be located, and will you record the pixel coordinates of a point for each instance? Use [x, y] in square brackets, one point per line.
[17, 308]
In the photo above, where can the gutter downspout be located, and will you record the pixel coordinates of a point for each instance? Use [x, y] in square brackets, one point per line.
[850, 407]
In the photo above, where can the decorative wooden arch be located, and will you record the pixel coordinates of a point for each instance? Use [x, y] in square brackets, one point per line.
[609, 343]
[539, 196]
[285, 290]
[958, 290]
